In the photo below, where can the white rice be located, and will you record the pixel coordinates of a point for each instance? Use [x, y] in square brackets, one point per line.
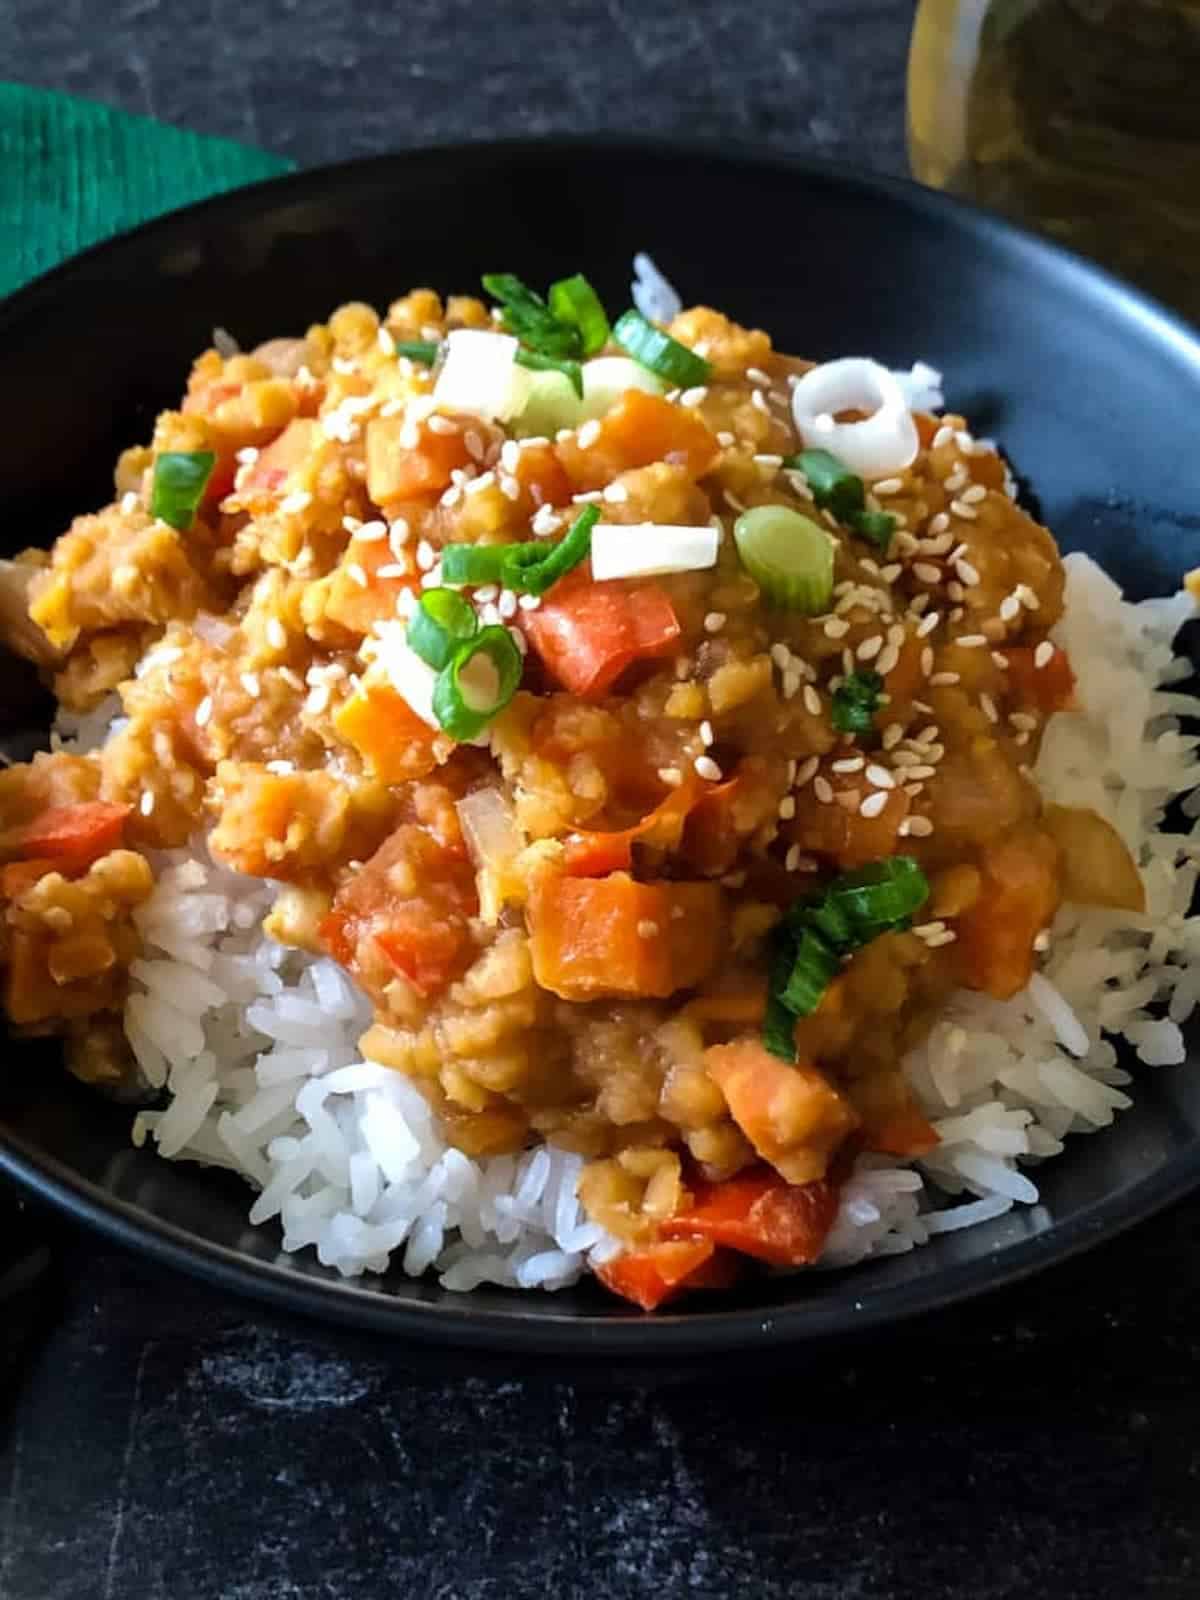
[653, 295]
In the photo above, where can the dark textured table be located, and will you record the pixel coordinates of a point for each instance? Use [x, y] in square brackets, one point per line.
[161, 1441]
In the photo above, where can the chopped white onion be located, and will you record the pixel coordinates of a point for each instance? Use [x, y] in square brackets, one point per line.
[550, 404]
[607, 378]
[494, 840]
[884, 443]
[479, 375]
[654, 296]
[410, 676]
[648, 549]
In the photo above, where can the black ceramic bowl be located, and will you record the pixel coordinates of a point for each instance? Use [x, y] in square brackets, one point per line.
[1093, 391]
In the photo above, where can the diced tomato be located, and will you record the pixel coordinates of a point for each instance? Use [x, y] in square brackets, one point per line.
[407, 910]
[391, 738]
[587, 633]
[1048, 689]
[277, 461]
[592, 937]
[85, 831]
[759, 1215]
[399, 471]
[1019, 898]
[657, 1272]
[594, 854]
[792, 1115]
[641, 428]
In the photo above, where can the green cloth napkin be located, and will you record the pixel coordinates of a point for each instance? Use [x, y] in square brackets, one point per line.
[73, 172]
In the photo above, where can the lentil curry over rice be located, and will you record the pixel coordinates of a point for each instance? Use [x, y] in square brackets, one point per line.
[668, 866]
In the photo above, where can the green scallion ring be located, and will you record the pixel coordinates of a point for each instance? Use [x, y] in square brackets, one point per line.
[575, 302]
[477, 683]
[180, 479]
[788, 555]
[655, 350]
[423, 350]
[833, 486]
[474, 563]
[441, 624]
[536, 362]
[536, 576]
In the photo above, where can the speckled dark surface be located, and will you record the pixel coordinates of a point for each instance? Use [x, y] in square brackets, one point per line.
[159, 1441]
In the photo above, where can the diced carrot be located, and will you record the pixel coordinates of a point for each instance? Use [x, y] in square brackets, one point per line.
[398, 471]
[758, 1214]
[746, 1003]
[594, 854]
[391, 738]
[83, 831]
[792, 1115]
[1019, 898]
[541, 476]
[587, 633]
[596, 937]
[641, 428]
[277, 461]
[657, 1272]
[1049, 688]
[358, 606]
[907, 1133]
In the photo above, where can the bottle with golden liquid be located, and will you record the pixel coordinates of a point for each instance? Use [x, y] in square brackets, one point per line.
[1078, 117]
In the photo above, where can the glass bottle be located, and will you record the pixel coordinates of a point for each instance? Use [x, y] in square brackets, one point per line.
[1079, 117]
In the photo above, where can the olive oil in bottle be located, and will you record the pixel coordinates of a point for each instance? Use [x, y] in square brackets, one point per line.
[1078, 117]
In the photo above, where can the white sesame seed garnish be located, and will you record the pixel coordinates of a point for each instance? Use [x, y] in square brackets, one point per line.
[204, 711]
[530, 602]
[726, 439]
[968, 574]
[647, 929]
[919, 827]
[891, 572]
[616, 494]
[1044, 654]
[1000, 661]
[880, 776]
[1010, 608]
[947, 936]
[671, 776]
[807, 771]
[790, 684]
[943, 436]
[892, 735]
[928, 624]
[1022, 719]
[406, 603]
[973, 495]
[924, 572]
[873, 805]
[546, 521]
[714, 622]
[939, 523]
[918, 773]
[509, 487]
[489, 615]
[849, 764]
[694, 397]
[971, 641]
[812, 701]
[507, 604]
[887, 486]
[781, 655]
[989, 707]
[943, 680]
[787, 808]
[588, 434]
[1027, 597]
[757, 375]
[887, 659]
[706, 767]
[870, 647]
[1042, 942]
[297, 501]
[146, 803]
[276, 634]
[835, 628]
[957, 593]
[706, 734]
[357, 574]
[759, 400]
[961, 509]
[823, 789]
[926, 661]
[425, 555]
[773, 462]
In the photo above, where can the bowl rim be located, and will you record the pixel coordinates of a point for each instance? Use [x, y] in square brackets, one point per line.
[540, 1329]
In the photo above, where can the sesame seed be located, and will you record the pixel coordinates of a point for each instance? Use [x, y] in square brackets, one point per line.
[791, 683]
[823, 789]
[726, 439]
[732, 499]
[616, 494]
[880, 776]
[943, 436]
[509, 487]
[919, 827]
[671, 776]
[892, 735]
[1027, 597]
[873, 805]
[1022, 738]
[714, 622]
[1010, 607]
[971, 641]
[489, 615]
[452, 495]
[947, 936]
[474, 444]
[425, 555]
[787, 808]
[968, 574]
[887, 659]
[781, 655]
[588, 434]
[1042, 942]
[757, 375]
[924, 572]
[989, 707]
[485, 480]
[836, 628]
[916, 774]
[530, 602]
[974, 494]
[694, 397]
[961, 509]
[146, 803]
[251, 684]
[812, 701]
[276, 634]
[807, 771]
[939, 523]
[317, 700]
[792, 860]
[926, 661]
[1022, 719]
[887, 486]
[486, 592]
[706, 767]
[706, 734]
[519, 639]
[943, 680]
[849, 764]
[443, 425]
[870, 648]
[507, 604]
[1000, 661]
[357, 574]
[759, 400]
[647, 929]
[891, 572]
[927, 735]
[406, 603]
[766, 459]
[928, 624]
[204, 711]
[298, 500]
[545, 522]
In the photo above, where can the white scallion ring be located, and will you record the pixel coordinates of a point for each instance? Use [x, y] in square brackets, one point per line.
[885, 442]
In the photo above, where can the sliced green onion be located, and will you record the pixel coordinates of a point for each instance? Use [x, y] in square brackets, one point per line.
[876, 527]
[575, 302]
[789, 556]
[808, 945]
[571, 549]
[833, 487]
[441, 623]
[477, 683]
[528, 316]
[473, 563]
[423, 350]
[180, 479]
[655, 350]
[536, 362]
[855, 702]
